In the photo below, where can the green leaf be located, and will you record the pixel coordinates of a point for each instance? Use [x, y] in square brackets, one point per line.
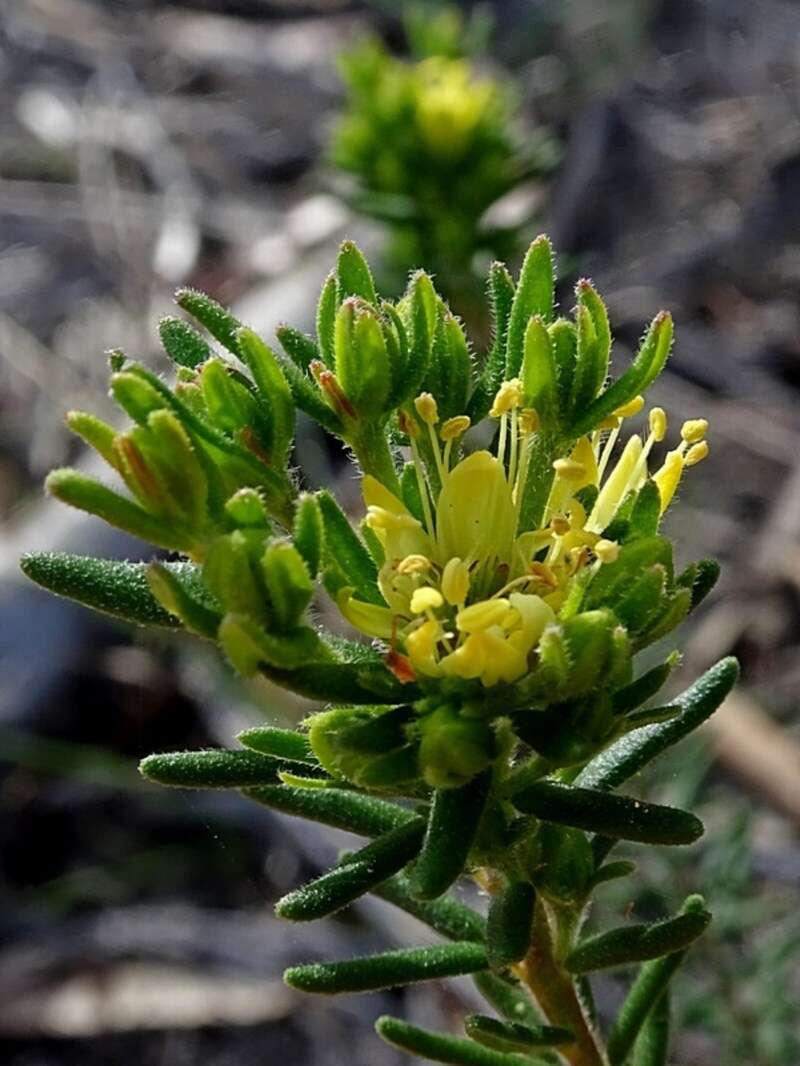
[534, 296]
[88, 495]
[446, 915]
[594, 346]
[359, 874]
[342, 682]
[627, 756]
[615, 816]
[326, 317]
[340, 808]
[217, 319]
[179, 588]
[308, 532]
[301, 349]
[116, 588]
[508, 931]
[273, 389]
[643, 688]
[611, 871]
[97, 434]
[648, 988]
[354, 275]
[645, 368]
[249, 647]
[390, 969]
[215, 768]
[345, 551]
[512, 1036]
[287, 582]
[636, 943]
[652, 1045]
[183, 344]
[441, 1047]
[454, 819]
[286, 744]
[135, 396]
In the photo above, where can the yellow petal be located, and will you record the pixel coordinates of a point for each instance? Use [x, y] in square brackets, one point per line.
[369, 618]
[481, 615]
[616, 486]
[421, 644]
[534, 614]
[668, 477]
[475, 516]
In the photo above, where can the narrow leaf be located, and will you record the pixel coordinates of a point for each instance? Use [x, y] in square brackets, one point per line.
[534, 296]
[446, 915]
[636, 943]
[361, 873]
[652, 1045]
[508, 930]
[512, 1036]
[631, 753]
[441, 1047]
[353, 274]
[308, 532]
[615, 816]
[286, 744]
[183, 344]
[390, 969]
[650, 985]
[215, 768]
[454, 819]
[340, 808]
[507, 998]
[347, 553]
[217, 319]
[300, 348]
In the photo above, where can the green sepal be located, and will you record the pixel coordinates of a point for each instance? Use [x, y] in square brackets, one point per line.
[615, 816]
[508, 929]
[454, 748]
[218, 320]
[273, 390]
[700, 578]
[449, 371]
[564, 340]
[117, 588]
[636, 943]
[613, 580]
[645, 368]
[285, 744]
[300, 348]
[513, 1036]
[409, 490]
[326, 317]
[183, 345]
[446, 915]
[215, 768]
[534, 296]
[229, 571]
[646, 513]
[361, 872]
[353, 274]
[345, 554]
[453, 824]
[248, 646]
[86, 494]
[363, 367]
[340, 808]
[389, 969]
[178, 587]
[628, 755]
[538, 373]
[308, 532]
[246, 509]
[649, 986]
[365, 745]
[441, 1047]
[97, 434]
[593, 346]
[288, 583]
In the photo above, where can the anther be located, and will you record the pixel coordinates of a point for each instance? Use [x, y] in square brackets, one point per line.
[560, 525]
[425, 599]
[631, 408]
[693, 430]
[607, 551]
[569, 468]
[508, 396]
[414, 564]
[454, 427]
[696, 453]
[658, 423]
[407, 424]
[528, 421]
[427, 408]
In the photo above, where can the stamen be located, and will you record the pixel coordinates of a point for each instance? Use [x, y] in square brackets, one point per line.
[426, 599]
[693, 430]
[414, 564]
[509, 395]
[454, 427]
[696, 453]
[607, 551]
[658, 424]
[631, 408]
[422, 485]
[455, 582]
[427, 408]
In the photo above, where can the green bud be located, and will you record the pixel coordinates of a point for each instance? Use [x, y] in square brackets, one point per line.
[362, 361]
[273, 390]
[288, 583]
[365, 745]
[534, 296]
[168, 451]
[353, 274]
[96, 433]
[229, 403]
[588, 638]
[563, 864]
[593, 346]
[453, 749]
[229, 571]
[246, 508]
[308, 532]
[247, 645]
[539, 378]
[326, 317]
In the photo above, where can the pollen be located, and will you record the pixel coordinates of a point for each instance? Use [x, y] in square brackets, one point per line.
[631, 408]
[607, 551]
[658, 423]
[427, 408]
[454, 427]
[696, 453]
[508, 396]
[414, 564]
[426, 599]
[693, 430]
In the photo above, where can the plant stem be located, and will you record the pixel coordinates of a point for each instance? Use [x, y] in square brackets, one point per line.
[372, 449]
[553, 989]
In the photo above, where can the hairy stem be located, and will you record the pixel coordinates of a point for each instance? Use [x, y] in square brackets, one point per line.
[372, 449]
[553, 989]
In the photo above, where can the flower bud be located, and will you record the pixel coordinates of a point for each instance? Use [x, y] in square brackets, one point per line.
[453, 749]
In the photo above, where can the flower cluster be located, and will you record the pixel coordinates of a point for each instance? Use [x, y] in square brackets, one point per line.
[508, 567]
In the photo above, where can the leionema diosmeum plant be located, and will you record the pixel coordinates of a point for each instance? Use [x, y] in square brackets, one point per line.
[506, 587]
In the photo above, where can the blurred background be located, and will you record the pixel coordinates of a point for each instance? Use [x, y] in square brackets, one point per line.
[229, 146]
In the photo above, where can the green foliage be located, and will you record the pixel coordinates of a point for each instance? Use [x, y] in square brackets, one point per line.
[506, 593]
